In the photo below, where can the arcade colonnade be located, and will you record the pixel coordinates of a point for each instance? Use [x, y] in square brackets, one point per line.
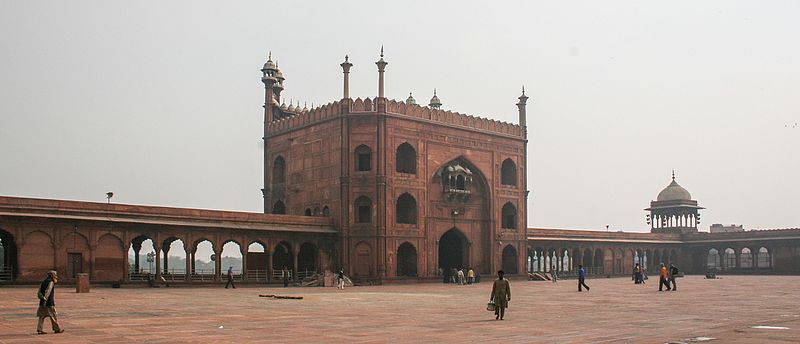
[607, 259]
[123, 243]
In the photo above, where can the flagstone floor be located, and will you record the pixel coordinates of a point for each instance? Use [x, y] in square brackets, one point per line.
[729, 309]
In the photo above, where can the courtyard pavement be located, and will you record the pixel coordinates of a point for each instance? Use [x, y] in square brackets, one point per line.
[614, 311]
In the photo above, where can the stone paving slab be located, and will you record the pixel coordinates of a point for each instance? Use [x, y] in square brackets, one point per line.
[614, 311]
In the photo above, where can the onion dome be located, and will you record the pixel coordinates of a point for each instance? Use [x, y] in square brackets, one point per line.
[283, 107]
[410, 100]
[269, 66]
[674, 192]
[435, 102]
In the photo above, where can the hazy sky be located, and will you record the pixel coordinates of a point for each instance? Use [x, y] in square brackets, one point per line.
[160, 102]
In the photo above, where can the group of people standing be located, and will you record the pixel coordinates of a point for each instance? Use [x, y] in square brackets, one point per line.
[666, 276]
[459, 276]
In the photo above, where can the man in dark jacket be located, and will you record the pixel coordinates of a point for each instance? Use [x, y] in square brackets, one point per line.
[673, 271]
[230, 278]
[47, 304]
[582, 278]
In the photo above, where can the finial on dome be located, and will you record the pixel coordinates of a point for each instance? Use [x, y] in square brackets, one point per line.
[523, 90]
[673, 174]
[346, 58]
[269, 58]
[381, 50]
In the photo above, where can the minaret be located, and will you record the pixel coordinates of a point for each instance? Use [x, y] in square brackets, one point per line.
[346, 70]
[380, 102]
[270, 81]
[346, 101]
[523, 100]
[381, 153]
[381, 68]
[435, 102]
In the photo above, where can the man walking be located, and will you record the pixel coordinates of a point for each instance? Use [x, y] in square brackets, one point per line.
[673, 271]
[470, 276]
[662, 278]
[554, 275]
[47, 304]
[340, 280]
[501, 294]
[230, 278]
[461, 277]
[582, 278]
[285, 277]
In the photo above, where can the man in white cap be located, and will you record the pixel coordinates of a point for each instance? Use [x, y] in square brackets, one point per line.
[47, 305]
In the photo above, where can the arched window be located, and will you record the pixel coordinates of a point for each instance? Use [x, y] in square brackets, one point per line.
[406, 209]
[713, 262]
[508, 173]
[406, 159]
[461, 182]
[279, 208]
[729, 258]
[746, 259]
[326, 211]
[363, 158]
[307, 212]
[363, 210]
[509, 216]
[279, 171]
[763, 258]
[317, 211]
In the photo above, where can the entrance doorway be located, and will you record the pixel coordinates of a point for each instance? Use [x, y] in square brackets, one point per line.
[406, 260]
[510, 260]
[452, 251]
[8, 257]
[75, 264]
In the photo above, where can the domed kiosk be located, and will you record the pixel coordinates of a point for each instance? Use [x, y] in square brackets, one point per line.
[673, 211]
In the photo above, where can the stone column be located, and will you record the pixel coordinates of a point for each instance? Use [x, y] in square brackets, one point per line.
[294, 258]
[218, 264]
[244, 250]
[93, 260]
[269, 265]
[189, 264]
[158, 262]
[136, 249]
[126, 267]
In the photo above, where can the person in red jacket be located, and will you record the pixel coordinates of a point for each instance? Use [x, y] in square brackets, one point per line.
[662, 279]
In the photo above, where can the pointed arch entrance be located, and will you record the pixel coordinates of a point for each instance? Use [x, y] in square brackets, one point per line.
[406, 260]
[453, 250]
[510, 260]
[8, 257]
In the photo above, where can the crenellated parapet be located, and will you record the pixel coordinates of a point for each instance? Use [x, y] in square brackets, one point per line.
[453, 118]
[303, 118]
[424, 113]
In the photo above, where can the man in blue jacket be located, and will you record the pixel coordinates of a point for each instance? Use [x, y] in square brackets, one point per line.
[582, 278]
